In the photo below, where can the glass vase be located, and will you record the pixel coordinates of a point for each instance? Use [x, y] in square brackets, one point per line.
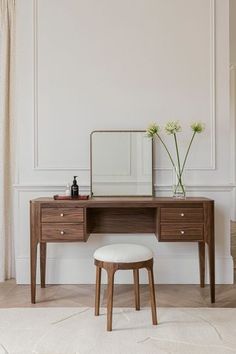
[179, 190]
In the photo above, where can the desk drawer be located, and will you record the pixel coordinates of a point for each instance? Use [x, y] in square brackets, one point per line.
[62, 232]
[193, 232]
[181, 215]
[62, 215]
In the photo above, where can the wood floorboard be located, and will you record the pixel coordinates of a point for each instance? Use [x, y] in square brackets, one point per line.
[12, 295]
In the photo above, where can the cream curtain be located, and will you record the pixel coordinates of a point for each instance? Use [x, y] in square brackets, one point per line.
[7, 20]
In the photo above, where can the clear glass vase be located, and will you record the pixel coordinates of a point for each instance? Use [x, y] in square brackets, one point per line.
[179, 190]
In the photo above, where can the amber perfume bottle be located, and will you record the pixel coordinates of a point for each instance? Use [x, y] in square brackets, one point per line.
[75, 188]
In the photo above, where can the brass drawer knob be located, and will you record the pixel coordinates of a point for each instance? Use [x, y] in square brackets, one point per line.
[62, 214]
[62, 232]
[182, 214]
[182, 232]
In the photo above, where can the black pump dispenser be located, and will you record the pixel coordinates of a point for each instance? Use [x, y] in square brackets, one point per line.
[75, 188]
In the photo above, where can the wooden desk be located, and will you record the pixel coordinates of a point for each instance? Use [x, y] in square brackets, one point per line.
[189, 220]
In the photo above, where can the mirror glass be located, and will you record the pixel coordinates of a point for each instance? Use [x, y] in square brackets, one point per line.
[121, 163]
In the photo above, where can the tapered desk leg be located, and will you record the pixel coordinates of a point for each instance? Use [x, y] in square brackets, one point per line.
[34, 239]
[201, 251]
[211, 256]
[210, 239]
[43, 256]
[33, 263]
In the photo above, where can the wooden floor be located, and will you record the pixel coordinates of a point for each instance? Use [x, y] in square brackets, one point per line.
[12, 295]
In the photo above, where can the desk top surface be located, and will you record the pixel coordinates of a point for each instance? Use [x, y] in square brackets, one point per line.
[121, 201]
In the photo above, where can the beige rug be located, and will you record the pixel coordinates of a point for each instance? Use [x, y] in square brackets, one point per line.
[77, 331]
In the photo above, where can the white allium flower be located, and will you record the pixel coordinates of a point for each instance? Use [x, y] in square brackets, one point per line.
[152, 130]
[173, 127]
[197, 127]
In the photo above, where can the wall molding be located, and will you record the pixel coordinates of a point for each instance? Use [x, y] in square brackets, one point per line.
[36, 165]
[86, 188]
[232, 136]
[212, 166]
[65, 270]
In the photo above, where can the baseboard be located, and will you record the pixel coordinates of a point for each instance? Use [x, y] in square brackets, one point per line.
[167, 270]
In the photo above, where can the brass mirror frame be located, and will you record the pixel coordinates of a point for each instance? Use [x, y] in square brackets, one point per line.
[91, 175]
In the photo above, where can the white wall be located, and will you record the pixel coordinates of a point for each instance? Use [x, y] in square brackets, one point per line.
[232, 19]
[232, 27]
[84, 65]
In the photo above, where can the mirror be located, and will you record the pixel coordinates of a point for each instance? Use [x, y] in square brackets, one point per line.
[121, 163]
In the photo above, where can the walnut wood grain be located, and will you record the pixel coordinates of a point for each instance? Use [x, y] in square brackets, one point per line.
[122, 215]
[210, 239]
[86, 225]
[62, 214]
[136, 289]
[97, 290]
[201, 253]
[181, 232]
[121, 220]
[34, 240]
[56, 232]
[152, 295]
[48, 202]
[110, 291]
[183, 214]
[43, 255]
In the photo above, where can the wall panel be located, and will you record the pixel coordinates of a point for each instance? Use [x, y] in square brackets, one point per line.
[86, 65]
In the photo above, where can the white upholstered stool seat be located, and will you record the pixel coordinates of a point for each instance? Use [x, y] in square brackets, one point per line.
[123, 253]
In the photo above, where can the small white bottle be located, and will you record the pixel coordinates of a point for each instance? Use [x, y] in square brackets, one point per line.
[67, 192]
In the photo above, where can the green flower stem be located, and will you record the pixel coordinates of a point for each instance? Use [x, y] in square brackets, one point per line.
[179, 168]
[173, 128]
[168, 154]
[177, 153]
[184, 163]
[181, 186]
[173, 164]
[186, 156]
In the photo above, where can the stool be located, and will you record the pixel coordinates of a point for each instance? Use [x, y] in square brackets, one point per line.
[123, 256]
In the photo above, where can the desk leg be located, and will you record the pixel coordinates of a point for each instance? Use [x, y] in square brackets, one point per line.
[211, 256]
[210, 240]
[43, 256]
[33, 264]
[201, 252]
[34, 240]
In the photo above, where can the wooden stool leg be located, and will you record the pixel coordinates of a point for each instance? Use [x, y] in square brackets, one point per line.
[136, 289]
[98, 289]
[110, 290]
[43, 252]
[152, 295]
